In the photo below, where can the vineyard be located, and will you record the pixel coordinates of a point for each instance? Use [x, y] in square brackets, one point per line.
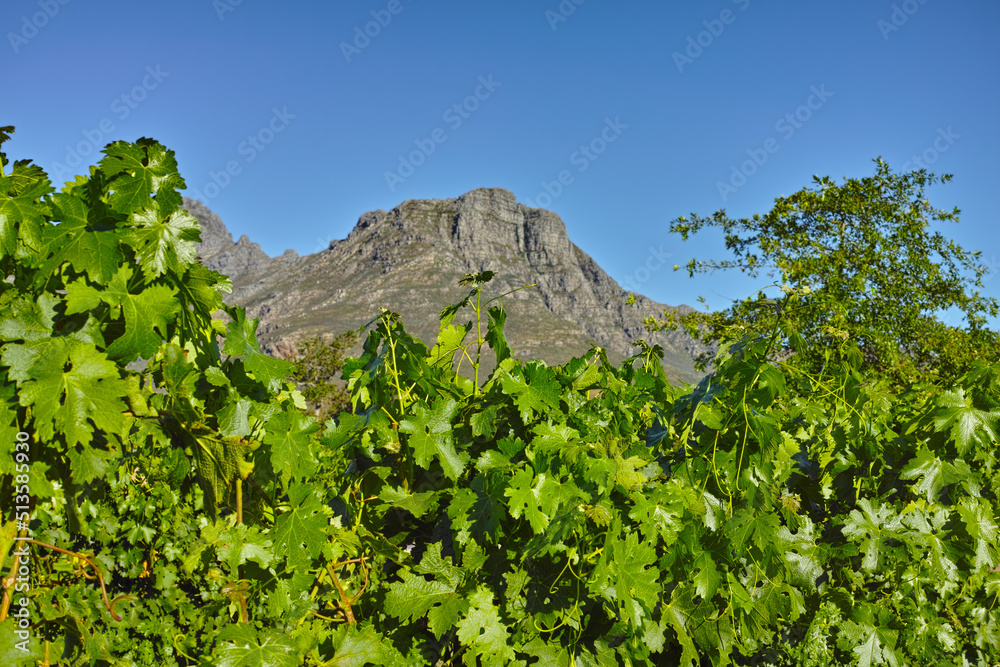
[191, 512]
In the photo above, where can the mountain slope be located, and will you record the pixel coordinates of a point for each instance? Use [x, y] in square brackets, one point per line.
[410, 260]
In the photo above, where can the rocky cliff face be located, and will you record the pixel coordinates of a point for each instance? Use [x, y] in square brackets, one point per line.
[410, 260]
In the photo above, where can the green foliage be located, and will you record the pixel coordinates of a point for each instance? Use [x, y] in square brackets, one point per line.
[875, 275]
[317, 364]
[191, 514]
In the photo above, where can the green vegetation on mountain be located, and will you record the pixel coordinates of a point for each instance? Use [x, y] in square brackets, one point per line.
[192, 513]
[318, 362]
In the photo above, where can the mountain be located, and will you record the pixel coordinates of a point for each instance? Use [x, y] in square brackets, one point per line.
[410, 260]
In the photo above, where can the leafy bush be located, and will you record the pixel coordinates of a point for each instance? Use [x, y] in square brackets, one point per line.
[586, 514]
[317, 363]
[877, 276]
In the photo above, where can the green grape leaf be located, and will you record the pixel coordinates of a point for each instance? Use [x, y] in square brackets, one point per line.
[536, 392]
[96, 252]
[240, 544]
[219, 461]
[234, 415]
[164, 245]
[933, 473]
[15, 650]
[968, 425]
[244, 647]
[634, 581]
[656, 519]
[495, 335]
[416, 595]
[81, 297]
[870, 644]
[21, 220]
[526, 499]
[416, 503]
[977, 514]
[679, 615]
[300, 532]
[73, 384]
[241, 341]
[28, 320]
[90, 463]
[289, 434]
[707, 577]
[358, 647]
[483, 423]
[443, 617]
[871, 527]
[431, 436]
[554, 437]
[482, 630]
[152, 309]
[449, 340]
[138, 172]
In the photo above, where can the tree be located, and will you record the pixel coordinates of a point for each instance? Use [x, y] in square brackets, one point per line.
[864, 263]
[316, 366]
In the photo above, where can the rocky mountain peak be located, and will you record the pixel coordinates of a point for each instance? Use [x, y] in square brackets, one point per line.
[410, 260]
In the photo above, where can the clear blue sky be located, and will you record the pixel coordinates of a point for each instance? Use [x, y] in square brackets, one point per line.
[211, 79]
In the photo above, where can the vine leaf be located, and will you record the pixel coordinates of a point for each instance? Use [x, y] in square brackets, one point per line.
[415, 597]
[968, 425]
[536, 392]
[449, 340]
[482, 630]
[164, 244]
[289, 434]
[299, 532]
[982, 526]
[20, 220]
[358, 647]
[72, 384]
[96, 252]
[152, 309]
[137, 172]
[871, 526]
[243, 647]
[635, 583]
[431, 436]
[241, 341]
[934, 474]
[495, 335]
[526, 499]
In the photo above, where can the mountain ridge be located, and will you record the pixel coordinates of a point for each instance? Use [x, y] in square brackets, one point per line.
[410, 260]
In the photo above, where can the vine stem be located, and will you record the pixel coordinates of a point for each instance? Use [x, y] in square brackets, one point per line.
[344, 600]
[8, 583]
[86, 560]
[244, 615]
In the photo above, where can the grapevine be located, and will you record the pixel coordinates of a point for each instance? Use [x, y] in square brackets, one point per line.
[582, 514]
